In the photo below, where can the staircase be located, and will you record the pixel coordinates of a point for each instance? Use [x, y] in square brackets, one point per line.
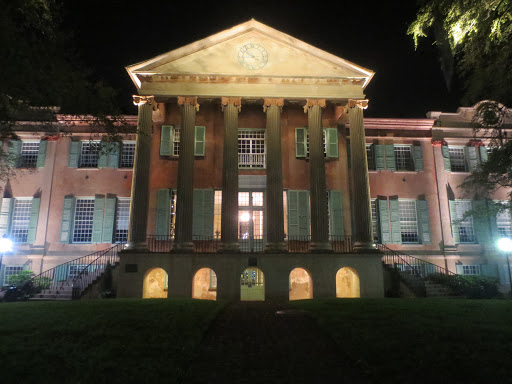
[70, 280]
[424, 279]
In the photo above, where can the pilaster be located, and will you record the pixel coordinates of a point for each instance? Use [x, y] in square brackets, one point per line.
[185, 188]
[231, 106]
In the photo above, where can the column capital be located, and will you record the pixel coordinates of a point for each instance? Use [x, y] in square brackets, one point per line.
[141, 100]
[269, 101]
[362, 103]
[438, 142]
[313, 102]
[236, 101]
[192, 100]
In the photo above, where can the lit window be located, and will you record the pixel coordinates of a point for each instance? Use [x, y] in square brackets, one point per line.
[243, 199]
[28, 156]
[465, 225]
[370, 156]
[176, 141]
[471, 270]
[285, 211]
[217, 214]
[408, 221]
[403, 158]
[127, 154]
[20, 220]
[257, 199]
[458, 159]
[375, 221]
[251, 149]
[89, 154]
[11, 270]
[82, 229]
[122, 220]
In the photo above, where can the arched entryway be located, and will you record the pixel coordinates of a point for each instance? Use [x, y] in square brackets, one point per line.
[252, 285]
[347, 283]
[204, 285]
[301, 284]
[155, 284]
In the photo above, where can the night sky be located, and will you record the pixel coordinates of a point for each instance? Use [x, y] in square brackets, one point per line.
[110, 35]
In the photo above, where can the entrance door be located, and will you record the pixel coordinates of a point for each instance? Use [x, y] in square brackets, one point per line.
[250, 221]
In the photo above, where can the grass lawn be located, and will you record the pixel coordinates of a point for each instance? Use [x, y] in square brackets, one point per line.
[421, 340]
[112, 341]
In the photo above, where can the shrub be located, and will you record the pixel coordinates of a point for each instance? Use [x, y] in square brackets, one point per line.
[473, 287]
[20, 287]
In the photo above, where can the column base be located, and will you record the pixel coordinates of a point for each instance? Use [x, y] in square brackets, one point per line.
[277, 247]
[187, 247]
[136, 246]
[229, 248]
[320, 247]
[365, 247]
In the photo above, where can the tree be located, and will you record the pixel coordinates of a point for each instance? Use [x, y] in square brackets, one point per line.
[474, 38]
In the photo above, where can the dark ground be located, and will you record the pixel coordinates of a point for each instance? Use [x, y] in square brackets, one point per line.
[251, 342]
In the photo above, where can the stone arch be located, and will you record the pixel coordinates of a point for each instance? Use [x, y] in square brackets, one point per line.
[204, 284]
[300, 284]
[252, 285]
[155, 284]
[347, 283]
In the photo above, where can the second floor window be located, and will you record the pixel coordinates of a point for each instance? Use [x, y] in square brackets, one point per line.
[122, 220]
[127, 154]
[83, 223]
[89, 154]
[458, 159]
[464, 224]
[29, 152]
[403, 158]
[251, 149]
[408, 221]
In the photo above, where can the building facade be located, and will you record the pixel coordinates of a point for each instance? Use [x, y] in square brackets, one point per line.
[252, 174]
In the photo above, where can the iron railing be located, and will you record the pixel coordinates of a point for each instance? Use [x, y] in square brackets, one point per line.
[252, 244]
[65, 274]
[414, 271]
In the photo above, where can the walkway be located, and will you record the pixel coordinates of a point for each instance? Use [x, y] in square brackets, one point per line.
[250, 342]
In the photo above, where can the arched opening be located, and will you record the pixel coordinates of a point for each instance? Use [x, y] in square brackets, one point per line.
[252, 285]
[301, 284]
[155, 284]
[347, 283]
[204, 285]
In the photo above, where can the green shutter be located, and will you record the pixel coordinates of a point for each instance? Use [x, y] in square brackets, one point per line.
[2, 271]
[199, 144]
[97, 218]
[396, 231]
[74, 153]
[481, 220]
[454, 221]
[446, 157]
[14, 153]
[5, 215]
[166, 140]
[331, 142]
[109, 221]
[41, 153]
[67, 219]
[163, 208]
[390, 157]
[61, 273]
[370, 148]
[385, 231]
[34, 217]
[298, 213]
[424, 221]
[417, 157]
[472, 156]
[380, 162]
[113, 155]
[202, 220]
[483, 154]
[103, 154]
[489, 270]
[459, 268]
[300, 142]
[336, 214]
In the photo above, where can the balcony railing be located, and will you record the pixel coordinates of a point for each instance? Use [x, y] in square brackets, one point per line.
[251, 160]
[255, 244]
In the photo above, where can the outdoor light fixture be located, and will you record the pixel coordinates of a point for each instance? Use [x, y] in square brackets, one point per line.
[505, 245]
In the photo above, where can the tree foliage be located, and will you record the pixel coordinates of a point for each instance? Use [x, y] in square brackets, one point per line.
[474, 38]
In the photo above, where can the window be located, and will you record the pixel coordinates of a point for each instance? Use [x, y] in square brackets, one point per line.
[74, 270]
[375, 221]
[403, 158]
[465, 225]
[323, 141]
[471, 270]
[11, 270]
[29, 152]
[408, 221]
[370, 156]
[217, 214]
[504, 224]
[176, 141]
[122, 220]
[251, 148]
[89, 154]
[458, 159]
[172, 213]
[82, 229]
[20, 220]
[127, 154]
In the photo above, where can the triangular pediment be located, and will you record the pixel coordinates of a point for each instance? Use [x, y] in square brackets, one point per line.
[249, 50]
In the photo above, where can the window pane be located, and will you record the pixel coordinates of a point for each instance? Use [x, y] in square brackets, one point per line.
[457, 159]
[403, 158]
[408, 221]
[172, 214]
[503, 222]
[122, 220]
[375, 221]
[466, 232]
[243, 199]
[471, 269]
[29, 154]
[127, 155]
[370, 156]
[89, 154]
[217, 214]
[11, 270]
[20, 220]
[257, 199]
[82, 231]
[251, 149]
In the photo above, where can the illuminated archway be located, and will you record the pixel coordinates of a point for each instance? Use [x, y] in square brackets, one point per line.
[252, 285]
[301, 284]
[347, 283]
[204, 285]
[155, 284]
